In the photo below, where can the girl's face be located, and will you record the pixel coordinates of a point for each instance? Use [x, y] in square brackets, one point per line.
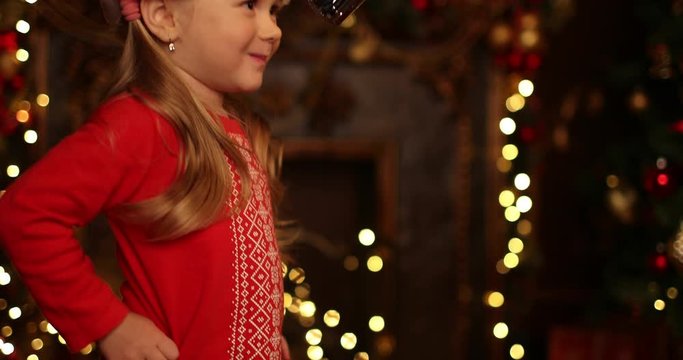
[225, 45]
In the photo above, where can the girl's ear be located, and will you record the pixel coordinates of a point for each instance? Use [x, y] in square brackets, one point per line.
[159, 19]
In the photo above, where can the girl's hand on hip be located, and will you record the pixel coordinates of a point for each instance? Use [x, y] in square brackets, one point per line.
[137, 338]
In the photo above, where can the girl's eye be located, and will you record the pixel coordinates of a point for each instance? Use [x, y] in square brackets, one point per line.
[275, 10]
[250, 4]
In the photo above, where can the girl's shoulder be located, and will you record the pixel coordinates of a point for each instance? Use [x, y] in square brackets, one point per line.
[124, 107]
[127, 113]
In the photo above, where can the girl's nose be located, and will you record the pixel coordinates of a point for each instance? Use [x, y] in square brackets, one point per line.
[269, 30]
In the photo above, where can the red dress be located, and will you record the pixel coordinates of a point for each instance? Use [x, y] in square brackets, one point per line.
[217, 292]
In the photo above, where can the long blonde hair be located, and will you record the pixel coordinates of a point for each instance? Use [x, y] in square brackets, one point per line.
[198, 196]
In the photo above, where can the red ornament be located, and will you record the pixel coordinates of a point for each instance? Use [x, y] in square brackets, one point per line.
[527, 134]
[420, 5]
[8, 41]
[8, 124]
[662, 179]
[18, 82]
[660, 183]
[533, 62]
[677, 126]
[515, 60]
[661, 263]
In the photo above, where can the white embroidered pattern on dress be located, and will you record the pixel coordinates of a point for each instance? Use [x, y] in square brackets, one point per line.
[257, 314]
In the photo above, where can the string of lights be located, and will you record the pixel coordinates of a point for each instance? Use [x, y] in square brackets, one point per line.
[24, 113]
[305, 310]
[517, 40]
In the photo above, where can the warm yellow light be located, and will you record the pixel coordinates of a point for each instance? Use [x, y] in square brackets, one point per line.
[500, 330]
[314, 336]
[503, 165]
[7, 331]
[510, 152]
[306, 321]
[522, 181]
[51, 329]
[376, 323]
[351, 263]
[515, 103]
[24, 105]
[515, 245]
[23, 27]
[506, 198]
[507, 126]
[517, 351]
[512, 214]
[22, 116]
[524, 204]
[672, 293]
[612, 181]
[5, 279]
[31, 1]
[511, 260]
[30, 136]
[287, 299]
[14, 313]
[285, 269]
[61, 340]
[44, 100]
[297, 275]
[366, 237]
[375, 263]
[526, 88]
[37, 344]
[348, 341]
[87, 349]
[349, 22]
[361, 356]
[43, 326]
[524, 227]
[494, 299]
[660, 304]
[13, 171]
[32, 357]
[332, 318]
[639, 100]
[501, 268]
[315, 352]
[307, 309]
[529, 38]
[22, 55]
[302, 291]
[7, 348]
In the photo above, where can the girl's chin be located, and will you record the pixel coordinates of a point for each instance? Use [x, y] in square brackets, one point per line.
[245, 88]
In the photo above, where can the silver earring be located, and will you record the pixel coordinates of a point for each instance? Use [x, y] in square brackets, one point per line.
[171, 46]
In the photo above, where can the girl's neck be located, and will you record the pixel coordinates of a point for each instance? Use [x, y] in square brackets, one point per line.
[211, 99]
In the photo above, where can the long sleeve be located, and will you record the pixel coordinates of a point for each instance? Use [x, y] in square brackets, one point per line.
[87, 173]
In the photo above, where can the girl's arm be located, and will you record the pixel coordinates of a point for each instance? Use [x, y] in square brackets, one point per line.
[89, 172]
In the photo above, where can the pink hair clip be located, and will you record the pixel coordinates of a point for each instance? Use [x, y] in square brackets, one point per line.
[113, 9]
[130, 9]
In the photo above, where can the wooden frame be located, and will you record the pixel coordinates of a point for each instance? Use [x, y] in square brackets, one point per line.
[383, 153]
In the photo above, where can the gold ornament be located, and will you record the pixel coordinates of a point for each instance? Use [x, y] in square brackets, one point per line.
[621, 200]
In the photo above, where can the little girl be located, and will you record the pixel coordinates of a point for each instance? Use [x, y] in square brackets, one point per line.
[185, 181]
